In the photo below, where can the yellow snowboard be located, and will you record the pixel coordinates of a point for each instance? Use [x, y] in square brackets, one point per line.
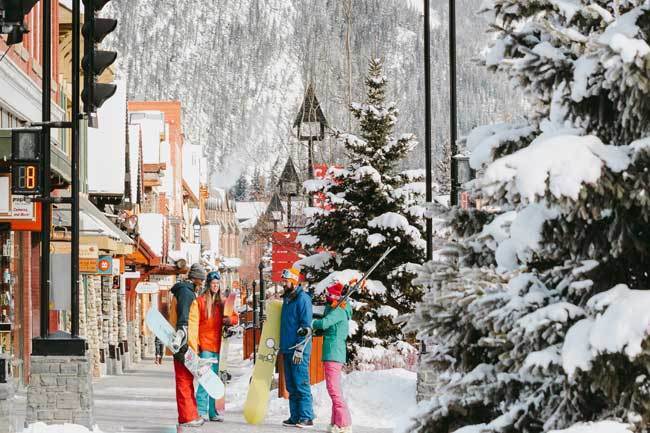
[257, 400]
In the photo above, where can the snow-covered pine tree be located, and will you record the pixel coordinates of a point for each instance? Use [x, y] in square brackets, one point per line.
[367, 207]
[537, 318]
[240, 190]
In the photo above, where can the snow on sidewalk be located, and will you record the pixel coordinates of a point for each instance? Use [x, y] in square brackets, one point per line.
[143, 401]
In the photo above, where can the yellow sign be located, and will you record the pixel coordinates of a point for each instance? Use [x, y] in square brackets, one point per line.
[88, 256]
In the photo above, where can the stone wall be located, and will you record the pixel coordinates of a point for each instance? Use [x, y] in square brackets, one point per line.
[7, 415]
[60, 391]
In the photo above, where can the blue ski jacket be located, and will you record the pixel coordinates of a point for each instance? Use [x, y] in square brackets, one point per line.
[296, 314]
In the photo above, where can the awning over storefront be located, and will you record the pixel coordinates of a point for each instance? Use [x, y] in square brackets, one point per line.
[94, 228]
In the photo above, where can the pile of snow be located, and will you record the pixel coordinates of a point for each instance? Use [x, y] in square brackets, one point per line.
[377, 399]
[150, 227]
[39, 427]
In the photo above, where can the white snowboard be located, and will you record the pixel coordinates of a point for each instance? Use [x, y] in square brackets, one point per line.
[200, 368]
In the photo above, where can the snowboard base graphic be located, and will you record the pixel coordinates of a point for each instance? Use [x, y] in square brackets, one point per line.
[200, 369]
[257, 399]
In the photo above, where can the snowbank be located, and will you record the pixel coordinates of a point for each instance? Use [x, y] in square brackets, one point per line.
[377, 399]
[65, 428]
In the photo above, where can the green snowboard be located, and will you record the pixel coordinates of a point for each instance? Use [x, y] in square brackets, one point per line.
[257, 399]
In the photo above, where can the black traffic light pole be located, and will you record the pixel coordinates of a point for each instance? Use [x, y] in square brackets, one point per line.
[59, 344]
[453, 111]
[76, 48]
[45, 155]
[427, 122]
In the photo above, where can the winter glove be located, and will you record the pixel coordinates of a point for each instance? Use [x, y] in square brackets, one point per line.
[179, 344]
[179, 355]
[298, 355]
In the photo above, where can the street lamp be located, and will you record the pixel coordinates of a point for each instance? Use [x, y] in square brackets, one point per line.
[464, 174]
[310, 124]
[289, 186]
[275, 211]
[262, 294]
[427, 124]
[453, 110]
[197, 230]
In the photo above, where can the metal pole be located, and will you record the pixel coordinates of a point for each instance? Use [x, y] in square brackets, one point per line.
[453, 115]
[427, 123]
[254, 323]
[310, 158]
[46, 211]
[289, 212]
[76, 47]
[262, 294]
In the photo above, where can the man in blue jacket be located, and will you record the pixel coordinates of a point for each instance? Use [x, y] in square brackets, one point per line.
[296, 315]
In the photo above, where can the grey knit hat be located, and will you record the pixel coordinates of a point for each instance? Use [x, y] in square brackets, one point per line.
[196, 271]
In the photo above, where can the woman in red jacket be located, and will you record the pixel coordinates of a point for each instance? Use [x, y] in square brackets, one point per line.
[211, 324]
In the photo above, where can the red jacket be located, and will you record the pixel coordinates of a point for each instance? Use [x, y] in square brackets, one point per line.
[211, 328]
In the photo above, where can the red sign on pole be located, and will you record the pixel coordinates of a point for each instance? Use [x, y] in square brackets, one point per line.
[284, 254]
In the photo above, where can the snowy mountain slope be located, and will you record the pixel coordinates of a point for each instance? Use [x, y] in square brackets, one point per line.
[240, 68]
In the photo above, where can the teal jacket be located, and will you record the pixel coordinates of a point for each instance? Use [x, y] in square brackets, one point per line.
[336, 326]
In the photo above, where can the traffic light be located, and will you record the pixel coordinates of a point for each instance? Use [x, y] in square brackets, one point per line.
[96, 61]
[12, 15]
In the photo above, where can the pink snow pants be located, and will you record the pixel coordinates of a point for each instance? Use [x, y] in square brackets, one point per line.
[340, 412]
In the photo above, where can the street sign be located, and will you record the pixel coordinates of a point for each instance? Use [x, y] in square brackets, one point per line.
[105, 265]
[147, 288]
[26, 161]
[88, 258]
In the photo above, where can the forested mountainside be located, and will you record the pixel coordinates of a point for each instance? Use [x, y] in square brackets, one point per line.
[240, 68]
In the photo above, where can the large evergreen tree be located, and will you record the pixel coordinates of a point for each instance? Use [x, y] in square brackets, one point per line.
[538, 317]
[367, 207]
[240, 190]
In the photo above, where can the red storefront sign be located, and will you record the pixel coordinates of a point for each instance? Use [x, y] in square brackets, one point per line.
[284, 253]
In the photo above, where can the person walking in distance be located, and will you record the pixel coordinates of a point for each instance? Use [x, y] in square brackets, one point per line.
[160, 351]
[296, 315]
[211, 326]
[184, 316]
[335, 326]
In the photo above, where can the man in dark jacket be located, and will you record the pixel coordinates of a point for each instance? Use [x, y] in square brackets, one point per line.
[184, 316]
[296, 315]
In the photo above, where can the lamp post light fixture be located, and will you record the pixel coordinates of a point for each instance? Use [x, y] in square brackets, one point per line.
[464, 174]
[289, 186]
[310, 126]
[197, 231]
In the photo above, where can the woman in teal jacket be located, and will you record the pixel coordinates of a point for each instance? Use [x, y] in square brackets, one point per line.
[336, 325]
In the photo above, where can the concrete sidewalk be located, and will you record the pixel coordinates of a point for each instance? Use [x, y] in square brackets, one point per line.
[143, 401]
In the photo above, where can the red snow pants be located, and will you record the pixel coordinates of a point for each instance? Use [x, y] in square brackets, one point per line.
[185, 399]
